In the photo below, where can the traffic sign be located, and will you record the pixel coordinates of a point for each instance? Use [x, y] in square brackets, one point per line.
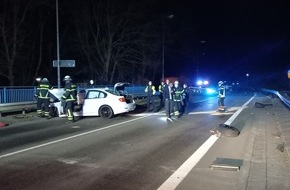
[64, 63]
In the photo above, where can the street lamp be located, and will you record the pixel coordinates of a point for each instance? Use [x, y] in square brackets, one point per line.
[247, 77]
[57, 45]
[162, 50]
[163, 42]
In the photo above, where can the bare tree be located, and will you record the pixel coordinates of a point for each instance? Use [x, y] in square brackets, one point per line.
[12, 20]
[113, 40]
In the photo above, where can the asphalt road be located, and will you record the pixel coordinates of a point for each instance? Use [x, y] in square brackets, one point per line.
[137, 150]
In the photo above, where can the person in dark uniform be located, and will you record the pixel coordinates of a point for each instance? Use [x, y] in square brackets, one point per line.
[69, 97]
[185, 97]
[150, 89]
[160, 89]
[167, 94]
[42, 94]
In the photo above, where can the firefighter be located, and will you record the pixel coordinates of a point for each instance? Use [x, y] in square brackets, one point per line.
[177, 98]
[69, 97]
[150, 89]
[43, 97]
[221, 96]
[161, 95]
[167, 92]
[185, 99]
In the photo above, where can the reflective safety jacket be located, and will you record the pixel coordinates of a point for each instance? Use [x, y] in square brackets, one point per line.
[177, 94]
[160, 88]
[150, 89]
[70, 93]
[42, 90]
[222, 92]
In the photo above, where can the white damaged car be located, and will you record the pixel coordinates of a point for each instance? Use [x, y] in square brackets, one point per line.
[102, 102]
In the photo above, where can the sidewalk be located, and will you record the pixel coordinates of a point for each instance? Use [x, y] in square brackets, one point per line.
[261, 150]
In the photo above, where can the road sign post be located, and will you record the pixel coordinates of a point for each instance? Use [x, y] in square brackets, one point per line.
[62, 63]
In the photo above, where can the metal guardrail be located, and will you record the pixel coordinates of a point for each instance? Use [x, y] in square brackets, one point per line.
[282, 98]
[20, 106]
[22, 98]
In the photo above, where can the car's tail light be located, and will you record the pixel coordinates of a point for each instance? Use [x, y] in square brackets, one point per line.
[122, 99]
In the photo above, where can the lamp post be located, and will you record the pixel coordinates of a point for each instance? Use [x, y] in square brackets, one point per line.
[57, 46]
[163, 50]
[163, 42]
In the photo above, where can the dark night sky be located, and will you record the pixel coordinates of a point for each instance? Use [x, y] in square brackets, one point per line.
[240, 37]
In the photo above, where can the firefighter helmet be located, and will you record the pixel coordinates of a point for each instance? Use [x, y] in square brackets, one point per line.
[67, 78]
[44, 80]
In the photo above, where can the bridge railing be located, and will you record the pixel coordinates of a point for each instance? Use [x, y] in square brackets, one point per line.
[22, 98]
[282, 98]
[16, 94]
[26, 94]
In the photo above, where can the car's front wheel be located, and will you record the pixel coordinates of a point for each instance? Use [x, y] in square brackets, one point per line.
[106, 112]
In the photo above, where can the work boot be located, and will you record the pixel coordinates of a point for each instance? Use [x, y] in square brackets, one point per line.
[49, 117]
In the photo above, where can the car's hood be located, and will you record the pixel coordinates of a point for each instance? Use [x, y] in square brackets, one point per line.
[56, 93]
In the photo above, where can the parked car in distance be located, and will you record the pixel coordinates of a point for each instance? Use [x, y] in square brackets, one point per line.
[103, 102]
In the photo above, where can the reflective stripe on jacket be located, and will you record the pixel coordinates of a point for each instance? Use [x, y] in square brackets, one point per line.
[150, 89]
[160, 88]
[43, 90]
[70, 93]
[177, 94]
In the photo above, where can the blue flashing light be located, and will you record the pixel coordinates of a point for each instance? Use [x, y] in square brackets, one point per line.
[210, 91]
[199, 82]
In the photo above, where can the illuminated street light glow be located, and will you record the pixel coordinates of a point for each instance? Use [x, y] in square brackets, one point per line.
[38, 79]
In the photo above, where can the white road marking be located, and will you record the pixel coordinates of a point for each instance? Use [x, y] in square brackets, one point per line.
[213, 112]
[71, 137]
[172, 182]
[146, 114]
[202, 112]
[222, 113]
[177, 177]
[67, 161]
